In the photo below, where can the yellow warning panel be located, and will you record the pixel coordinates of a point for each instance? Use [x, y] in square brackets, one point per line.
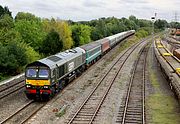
[178, 70]
[167, 54]
[160, 46]
[38, 82]
[158, 41]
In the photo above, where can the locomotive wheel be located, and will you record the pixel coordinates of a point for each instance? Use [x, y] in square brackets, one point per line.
[52, 91]
[29, 96]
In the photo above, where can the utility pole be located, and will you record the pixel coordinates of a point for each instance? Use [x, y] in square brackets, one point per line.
[153, 21]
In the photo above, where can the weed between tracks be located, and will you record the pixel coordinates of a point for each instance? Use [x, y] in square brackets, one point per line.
[162, 107]
[154, 80]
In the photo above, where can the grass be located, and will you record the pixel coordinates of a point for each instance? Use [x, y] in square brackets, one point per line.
[128, 43]
[163, 109]
[161, 106]
[62, 111]
[154, 80]
[4, 77]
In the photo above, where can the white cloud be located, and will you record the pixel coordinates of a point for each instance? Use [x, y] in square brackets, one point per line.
[92, 9]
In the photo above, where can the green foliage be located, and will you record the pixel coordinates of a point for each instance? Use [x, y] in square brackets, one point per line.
[160, 24]
[104, 27]
[9, 36]
[62, 28]
[174, 25]
[52, 44]
[26, 17]
[13, 58]
[31, 54]
[14, 52]
[31, 33]
[4, 10]
[65, 34]
[81, 34]
[6, 22]
[147, 29]
[15, 49]
[145, 23]
[141, 33]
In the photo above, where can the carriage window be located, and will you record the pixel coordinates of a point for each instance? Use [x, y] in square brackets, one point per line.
[31, 73]
[43, 73]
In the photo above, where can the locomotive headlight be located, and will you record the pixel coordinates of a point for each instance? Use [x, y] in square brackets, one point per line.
[28, 86]
[46, 87]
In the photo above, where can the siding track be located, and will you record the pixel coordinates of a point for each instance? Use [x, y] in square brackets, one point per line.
[132, 109]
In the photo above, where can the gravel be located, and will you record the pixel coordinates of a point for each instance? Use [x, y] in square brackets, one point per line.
[12, 103]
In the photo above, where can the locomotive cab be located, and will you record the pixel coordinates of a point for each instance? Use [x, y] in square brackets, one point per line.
[38, 81]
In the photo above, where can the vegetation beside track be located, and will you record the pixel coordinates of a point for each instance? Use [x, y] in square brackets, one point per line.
[162, 107]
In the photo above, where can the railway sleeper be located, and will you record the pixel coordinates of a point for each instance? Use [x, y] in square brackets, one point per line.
[81, 119]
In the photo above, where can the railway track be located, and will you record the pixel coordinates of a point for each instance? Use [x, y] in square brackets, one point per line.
[9, 89]
[88, 110]
[24, 113]
[132, 109]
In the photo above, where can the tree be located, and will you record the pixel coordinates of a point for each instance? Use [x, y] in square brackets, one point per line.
[6, 22]
[6, 29]
[4, 11]
[65, 34]
[5, 59]
[81, 34]
[174, 25]
[100, 30]
[62, 28]
[31, 32]
[26, 16]
[129, 24]
[160, 24]
[31, 54]
[52, 44]
[145, 23]
[13, 58]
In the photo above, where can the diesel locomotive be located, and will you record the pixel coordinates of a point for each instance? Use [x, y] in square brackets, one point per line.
[45, 77]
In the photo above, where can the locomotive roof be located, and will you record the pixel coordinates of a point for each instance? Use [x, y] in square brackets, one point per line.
[59, 58]
[90, 46]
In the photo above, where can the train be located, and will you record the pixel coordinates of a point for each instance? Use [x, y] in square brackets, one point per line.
[46, 77]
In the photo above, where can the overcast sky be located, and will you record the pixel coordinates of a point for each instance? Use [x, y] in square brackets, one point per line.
[92, 9]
